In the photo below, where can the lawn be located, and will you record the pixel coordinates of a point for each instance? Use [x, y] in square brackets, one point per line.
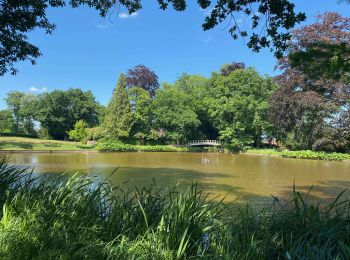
[22, 143]
[263, 151]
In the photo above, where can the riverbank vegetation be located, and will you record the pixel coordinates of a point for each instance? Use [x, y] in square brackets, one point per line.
[296, 110]
[315, 155]
[113, 146]
[75, 217]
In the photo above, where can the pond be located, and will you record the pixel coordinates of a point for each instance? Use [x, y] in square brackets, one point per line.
[240, 176]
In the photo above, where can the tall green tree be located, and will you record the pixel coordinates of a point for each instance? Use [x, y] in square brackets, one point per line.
[6, 121]
[173, 113]
[118, 119]
[238, 106]
[59, 110]
[140, 101]
[14, 101]
[28, 112]
[22, 107]
[196, 89]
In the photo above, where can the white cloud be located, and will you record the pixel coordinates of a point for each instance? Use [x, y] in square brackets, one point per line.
[34, 89]
[126, 15]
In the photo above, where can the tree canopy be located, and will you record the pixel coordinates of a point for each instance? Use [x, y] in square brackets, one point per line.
[238, 106]
[311, 108]
[59, 110]
[322, 49]
[143, 77]
[273, 18]
[118, 119]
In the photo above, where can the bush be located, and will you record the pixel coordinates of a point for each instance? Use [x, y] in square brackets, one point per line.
[307, 154]
[114, 146]
[77, 218]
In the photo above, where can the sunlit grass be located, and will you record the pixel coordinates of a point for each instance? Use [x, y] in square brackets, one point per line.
[263, 151]
[22, 143]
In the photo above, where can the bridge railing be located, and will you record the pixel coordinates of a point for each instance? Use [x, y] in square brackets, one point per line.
[204, 142]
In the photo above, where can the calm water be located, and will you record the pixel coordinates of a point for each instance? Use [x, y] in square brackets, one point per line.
[241, 176]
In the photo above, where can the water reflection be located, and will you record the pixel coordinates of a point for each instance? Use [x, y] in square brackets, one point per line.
[242, 176]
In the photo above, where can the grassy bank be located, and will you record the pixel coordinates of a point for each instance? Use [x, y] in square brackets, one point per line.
[22, 143]
[76, 218]
[111, 146]
[263, 151]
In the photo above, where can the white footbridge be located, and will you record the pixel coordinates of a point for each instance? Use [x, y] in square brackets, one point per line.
[204, 143]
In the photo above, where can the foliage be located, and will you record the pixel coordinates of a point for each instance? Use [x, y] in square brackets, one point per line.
[309, 109]
[307, 154]
[59, 110]
[173, 113]
[118, 119]
[227, 69]
[140, 101]
[21, 106]
[19, 18]
[143, 77]
[95, 133]
[112, 146]
[75, 217]
[6, 121]
[238, 105]
[322, 49]
[79, 132]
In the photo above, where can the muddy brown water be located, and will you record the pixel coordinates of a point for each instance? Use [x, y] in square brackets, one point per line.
[236, 176]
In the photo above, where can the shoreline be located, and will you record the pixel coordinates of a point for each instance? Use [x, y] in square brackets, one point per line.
[49, 151]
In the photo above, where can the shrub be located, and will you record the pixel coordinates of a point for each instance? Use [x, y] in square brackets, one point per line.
[115, 146]
[79, 132]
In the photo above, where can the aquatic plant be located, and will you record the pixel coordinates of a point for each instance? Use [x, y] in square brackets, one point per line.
[307, 154]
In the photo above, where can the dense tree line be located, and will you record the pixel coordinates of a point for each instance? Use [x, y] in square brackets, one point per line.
[55, 112]
[230, 105]
[301, 109]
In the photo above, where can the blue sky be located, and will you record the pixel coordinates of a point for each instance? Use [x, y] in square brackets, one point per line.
[89, 52]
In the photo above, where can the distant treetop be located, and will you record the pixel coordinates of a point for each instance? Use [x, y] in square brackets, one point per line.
[143, 77]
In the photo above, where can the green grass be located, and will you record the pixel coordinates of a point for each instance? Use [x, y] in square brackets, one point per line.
[263, 151]
[22, 143]
[78, 218]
